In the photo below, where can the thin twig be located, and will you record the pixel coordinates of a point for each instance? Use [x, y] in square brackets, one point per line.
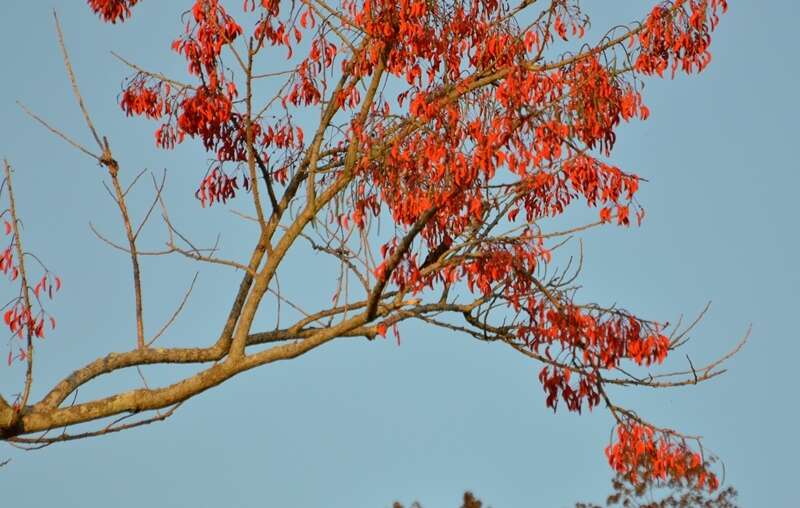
[159, 189]
[156, 75]
[58, 133]
[177, 311]
[74, 82]
[109, 429]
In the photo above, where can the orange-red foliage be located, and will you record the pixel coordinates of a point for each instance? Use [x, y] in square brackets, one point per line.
[496, 107]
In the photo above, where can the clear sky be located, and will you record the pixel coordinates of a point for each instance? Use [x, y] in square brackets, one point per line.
[359, 424]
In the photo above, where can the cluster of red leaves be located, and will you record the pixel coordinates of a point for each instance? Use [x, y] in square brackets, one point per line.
[7, 265]
[307, 88]
[218, 187]
[642, 454]
[143, 97]
[601, 183]
[207, 114]
[20, 318]
[556, 381]
[599, 342]
[678, 36]
[448, 165]
[272, 30]
[112, 10]
[594, 342]
[21, 321]
[203, 40]
[207, 111]
[153, 99]
[598, 102]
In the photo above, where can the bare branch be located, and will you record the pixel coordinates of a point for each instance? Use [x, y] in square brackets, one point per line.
[113, 170]
[74, 82]
[59, 133]
[176, 313]
[156, 75]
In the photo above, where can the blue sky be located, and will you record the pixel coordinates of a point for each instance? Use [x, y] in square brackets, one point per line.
[360, 424]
